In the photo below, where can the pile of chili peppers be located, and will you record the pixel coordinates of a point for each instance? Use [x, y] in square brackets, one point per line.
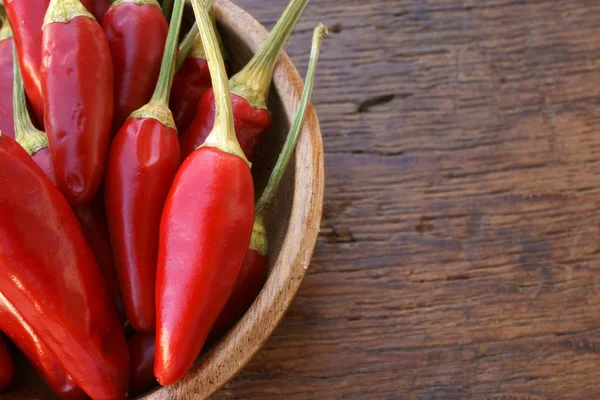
[129, 232]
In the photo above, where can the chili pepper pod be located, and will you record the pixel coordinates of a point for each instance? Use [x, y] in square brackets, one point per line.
[254, 270]
[51, 277]
[26, 19]
[77, 78]
[204, 233]
[141, 353]
[34, 141]
[7, 366]
[249, 92]
[142, 163]
[136, 31]
[98, 8]
[6, 76]
[41, 358]
[192, 79]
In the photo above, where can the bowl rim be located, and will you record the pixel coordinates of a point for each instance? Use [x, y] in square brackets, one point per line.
[236, 349]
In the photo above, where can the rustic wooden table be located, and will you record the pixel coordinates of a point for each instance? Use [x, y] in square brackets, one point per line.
[460, 245]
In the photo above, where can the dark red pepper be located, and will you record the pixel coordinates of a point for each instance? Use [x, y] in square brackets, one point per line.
[77, 77]
[51, 277]
[99, 8]
[142, 163]
[249, 92]
[141, 354]
[6, 76]
[136, 31]
[26, 18]
[7, 366]
[204, 233]
[42, 359]
[254, 270]
[34, 141]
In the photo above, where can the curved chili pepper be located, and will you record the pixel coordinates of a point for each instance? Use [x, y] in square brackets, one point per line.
[7, 366]
[51, 277]
[141, 354]
[254, 270]
[142, 163]
[192, 79]
[249, 92]
[204, 233]
[92, 218]
[41, 358]
[26, 18]
[6, 76]
[136, 31]
[77, 77]
[34, 141]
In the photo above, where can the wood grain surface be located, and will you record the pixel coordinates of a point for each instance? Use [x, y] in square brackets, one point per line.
[460, 246]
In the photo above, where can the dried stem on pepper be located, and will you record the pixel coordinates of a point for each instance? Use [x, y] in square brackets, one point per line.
[158, 107]
[222, 136]
[5, 31]
[253, 82]
[186, 46]
[28, 136]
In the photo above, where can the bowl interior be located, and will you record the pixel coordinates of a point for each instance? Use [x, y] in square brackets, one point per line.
[28, 385]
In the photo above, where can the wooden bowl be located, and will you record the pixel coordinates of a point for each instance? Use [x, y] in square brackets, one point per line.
[292, 223]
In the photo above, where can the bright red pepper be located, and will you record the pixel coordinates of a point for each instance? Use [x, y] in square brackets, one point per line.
[42, 359]
[7, 366]
[136, 32]
[34, 141]
[50, 275]
[77, 77]
[249, 92]
[204, 233]
[6, 77]
[92, 218]
[142, 163]
[26, 18]
[254, 270]
[141, 354]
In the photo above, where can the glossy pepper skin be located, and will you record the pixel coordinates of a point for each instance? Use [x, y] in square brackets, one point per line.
[77, 77]
[143, 160]
[42, 359]
[205, 231]
[7, 126]
[141, 354]
[136, 34]
[26, 18]
[190, 83]
[251, 124]
[7, 366]
[92, 218]
[51, 276]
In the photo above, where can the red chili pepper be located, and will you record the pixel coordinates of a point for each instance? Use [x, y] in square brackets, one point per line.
[26, 18]
[141, 354]
[77, 77]
[254, 270]
[204, 233]
[42, 359]
[92, 218]
[136, 31]
[34, 141]
[142, 163]
[98, 8]
[7, 366]
[192, 79]
[6, 76]
[249, 92]
[51, 277]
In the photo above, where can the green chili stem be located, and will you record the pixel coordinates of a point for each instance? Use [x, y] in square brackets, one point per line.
[293, 135]
[28, 136]
[5, 31]
[64, 11]
[167, 7]
[186, 46]
[223, 134]
[253, 82]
